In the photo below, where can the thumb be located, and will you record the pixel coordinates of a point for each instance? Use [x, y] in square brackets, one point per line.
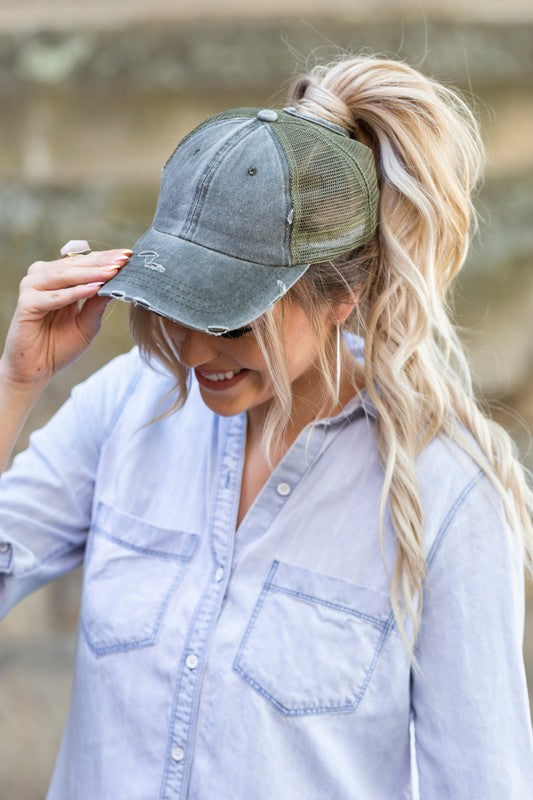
[90, 315]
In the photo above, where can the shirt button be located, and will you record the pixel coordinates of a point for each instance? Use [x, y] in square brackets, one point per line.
[192, 661]
[4, 547]
[283, 489]
[219, 574]
[178, 753]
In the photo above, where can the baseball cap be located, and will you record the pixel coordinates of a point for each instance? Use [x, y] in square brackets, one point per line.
[249, 199]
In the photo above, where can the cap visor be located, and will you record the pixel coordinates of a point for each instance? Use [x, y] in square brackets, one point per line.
[198, 287]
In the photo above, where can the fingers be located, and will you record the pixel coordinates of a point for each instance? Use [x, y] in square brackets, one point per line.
[75, 270]
[38, 302]
[98, 257]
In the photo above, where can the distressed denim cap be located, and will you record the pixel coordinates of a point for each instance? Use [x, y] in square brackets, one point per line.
[249, 199]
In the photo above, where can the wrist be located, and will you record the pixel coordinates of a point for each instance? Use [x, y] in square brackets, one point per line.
[30, 389]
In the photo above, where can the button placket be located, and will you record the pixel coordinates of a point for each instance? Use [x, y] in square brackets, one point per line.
[280, 486]
[192, 661]
[187, 694]
[178, 753]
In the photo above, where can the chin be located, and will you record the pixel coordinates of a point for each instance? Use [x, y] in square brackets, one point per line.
[224, 406]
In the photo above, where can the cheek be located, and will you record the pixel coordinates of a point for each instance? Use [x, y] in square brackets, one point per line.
[301, 353]
[249, 355]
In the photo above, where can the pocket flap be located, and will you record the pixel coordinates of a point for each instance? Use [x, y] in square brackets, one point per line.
[141, 535]
[335, 592]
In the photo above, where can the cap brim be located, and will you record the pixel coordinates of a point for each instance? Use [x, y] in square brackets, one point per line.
[196, 286]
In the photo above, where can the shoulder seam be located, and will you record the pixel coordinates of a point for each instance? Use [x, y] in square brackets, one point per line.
[448, 519]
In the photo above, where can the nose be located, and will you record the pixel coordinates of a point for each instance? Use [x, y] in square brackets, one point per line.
[194, 347]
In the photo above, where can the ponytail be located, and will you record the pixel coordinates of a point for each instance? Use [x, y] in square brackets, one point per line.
[429, 158]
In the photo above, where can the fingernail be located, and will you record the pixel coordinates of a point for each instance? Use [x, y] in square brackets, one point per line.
[111, 268]
[126, 252]
[94, 283]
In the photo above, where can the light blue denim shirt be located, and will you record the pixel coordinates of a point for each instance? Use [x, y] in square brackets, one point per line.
[264, 663]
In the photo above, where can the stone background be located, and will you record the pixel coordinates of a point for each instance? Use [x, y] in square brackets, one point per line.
[93, 99]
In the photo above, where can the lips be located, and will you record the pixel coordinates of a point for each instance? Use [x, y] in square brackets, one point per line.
[217, 381]
[219, 376]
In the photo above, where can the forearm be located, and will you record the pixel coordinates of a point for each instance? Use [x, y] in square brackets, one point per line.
[57, 315]
[16, 401]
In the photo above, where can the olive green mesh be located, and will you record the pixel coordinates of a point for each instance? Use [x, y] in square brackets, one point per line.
[333, 185]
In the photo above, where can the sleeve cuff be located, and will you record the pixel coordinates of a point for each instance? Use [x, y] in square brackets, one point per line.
[6, 555]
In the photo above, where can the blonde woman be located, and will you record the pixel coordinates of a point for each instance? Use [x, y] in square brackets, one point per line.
[302, 542]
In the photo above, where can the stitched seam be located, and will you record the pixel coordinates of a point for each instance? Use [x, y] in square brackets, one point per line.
[377, 653]
[301, 710]
[65, 548]
[145, 550]
[308, 710]
[103, 649]
[255, 612]
[448, 519]
[205, 179]
[281, 500]
[312, 600]
[176, 699]
[228, 255]
[231, 434]
[286, 170]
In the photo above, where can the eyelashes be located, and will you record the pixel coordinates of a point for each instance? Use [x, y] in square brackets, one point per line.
[237, 333]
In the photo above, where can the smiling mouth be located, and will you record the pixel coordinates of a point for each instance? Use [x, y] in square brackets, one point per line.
[218, 382]
[220, 376]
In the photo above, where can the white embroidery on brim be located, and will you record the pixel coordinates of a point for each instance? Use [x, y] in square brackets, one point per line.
[149, 263]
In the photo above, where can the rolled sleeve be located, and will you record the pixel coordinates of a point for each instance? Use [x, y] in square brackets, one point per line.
[470, 702]
[6, 555]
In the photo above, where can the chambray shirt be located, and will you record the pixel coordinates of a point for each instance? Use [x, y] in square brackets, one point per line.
[264, 663]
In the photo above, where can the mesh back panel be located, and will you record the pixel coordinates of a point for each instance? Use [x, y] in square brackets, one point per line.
[333, 188]
[333, 185]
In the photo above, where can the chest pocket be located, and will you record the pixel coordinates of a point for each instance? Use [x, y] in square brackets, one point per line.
[313, 641]
[132, 568]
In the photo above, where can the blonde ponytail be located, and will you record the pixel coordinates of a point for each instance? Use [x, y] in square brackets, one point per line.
[429, 158]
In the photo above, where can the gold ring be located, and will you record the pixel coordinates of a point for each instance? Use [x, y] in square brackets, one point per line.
[75, 247]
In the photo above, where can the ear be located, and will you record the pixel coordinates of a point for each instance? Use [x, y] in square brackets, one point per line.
[343, 309]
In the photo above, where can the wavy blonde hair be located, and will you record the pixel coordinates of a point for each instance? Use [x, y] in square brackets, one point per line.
[429, 157]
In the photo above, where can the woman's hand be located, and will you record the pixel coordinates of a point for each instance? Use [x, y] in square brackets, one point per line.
[51, 328]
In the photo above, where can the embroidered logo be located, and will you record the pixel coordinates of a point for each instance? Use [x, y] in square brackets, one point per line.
[149, 263]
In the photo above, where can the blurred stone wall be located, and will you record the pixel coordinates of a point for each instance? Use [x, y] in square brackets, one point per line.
[93, 99]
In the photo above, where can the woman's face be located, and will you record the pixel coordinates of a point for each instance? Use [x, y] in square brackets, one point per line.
[250, 388]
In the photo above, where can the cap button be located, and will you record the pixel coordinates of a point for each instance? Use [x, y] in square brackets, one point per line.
[267, 115]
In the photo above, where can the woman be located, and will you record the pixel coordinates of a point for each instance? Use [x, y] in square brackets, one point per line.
[296, 540]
